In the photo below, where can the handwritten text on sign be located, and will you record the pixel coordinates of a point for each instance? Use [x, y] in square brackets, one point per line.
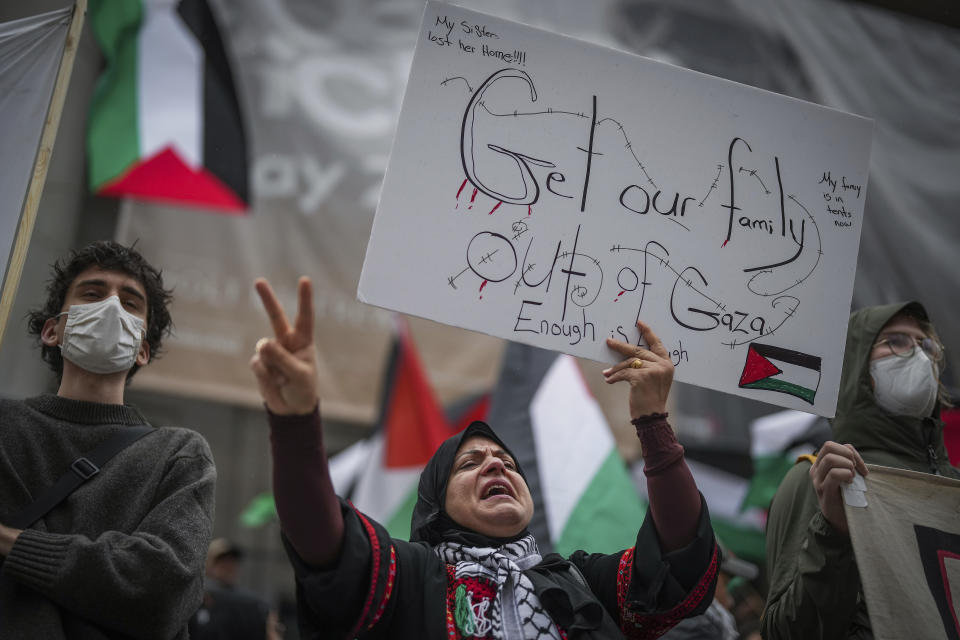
[553, 192]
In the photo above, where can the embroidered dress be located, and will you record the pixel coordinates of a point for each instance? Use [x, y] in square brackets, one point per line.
[449, 583]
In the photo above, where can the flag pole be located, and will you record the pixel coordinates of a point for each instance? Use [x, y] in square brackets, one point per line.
[42, 162]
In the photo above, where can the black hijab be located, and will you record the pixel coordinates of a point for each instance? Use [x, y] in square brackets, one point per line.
[559, 585]
[430, 522]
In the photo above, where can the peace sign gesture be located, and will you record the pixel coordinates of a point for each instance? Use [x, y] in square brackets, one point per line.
[649, 372]
[286, 366]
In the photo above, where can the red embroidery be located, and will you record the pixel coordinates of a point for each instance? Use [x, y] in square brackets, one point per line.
[480, 588]
[391, 575]
[452, 632]
[623, 577]
[374, 572]
[636, 626]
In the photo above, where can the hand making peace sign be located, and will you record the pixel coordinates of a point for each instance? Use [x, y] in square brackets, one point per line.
[286, 366]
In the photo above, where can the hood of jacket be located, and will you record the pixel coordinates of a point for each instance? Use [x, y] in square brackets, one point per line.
[881, 437]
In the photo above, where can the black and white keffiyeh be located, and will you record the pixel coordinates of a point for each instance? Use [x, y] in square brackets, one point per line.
[516, 611]
[511, 568]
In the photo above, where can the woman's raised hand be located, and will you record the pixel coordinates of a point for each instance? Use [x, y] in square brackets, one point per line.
[286, 365]
[649, 372]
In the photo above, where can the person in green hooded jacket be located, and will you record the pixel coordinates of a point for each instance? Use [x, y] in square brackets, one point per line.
[888, 413]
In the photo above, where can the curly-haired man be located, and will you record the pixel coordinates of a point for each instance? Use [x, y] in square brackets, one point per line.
[123, 554]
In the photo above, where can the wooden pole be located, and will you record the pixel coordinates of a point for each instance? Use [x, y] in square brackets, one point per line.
[30, 204]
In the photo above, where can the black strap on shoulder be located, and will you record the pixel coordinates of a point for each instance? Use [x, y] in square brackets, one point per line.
[81, 470]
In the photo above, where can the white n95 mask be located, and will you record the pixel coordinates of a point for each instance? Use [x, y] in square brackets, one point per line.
[101, 337]
[905, 386]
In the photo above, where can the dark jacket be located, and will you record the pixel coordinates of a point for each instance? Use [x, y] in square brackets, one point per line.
[815, 590]
[120, 557]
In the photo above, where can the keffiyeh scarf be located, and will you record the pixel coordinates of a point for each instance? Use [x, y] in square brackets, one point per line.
[515, 613]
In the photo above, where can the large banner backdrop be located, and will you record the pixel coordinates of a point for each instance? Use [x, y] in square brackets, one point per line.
[321, 84]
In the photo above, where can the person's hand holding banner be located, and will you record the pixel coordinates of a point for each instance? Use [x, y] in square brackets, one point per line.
[835, 466]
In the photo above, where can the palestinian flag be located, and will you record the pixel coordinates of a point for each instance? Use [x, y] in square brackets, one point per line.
[165, 123]
[544, 412]
[723, 479]
[583, 495]
[380, 474]
[782, 370]
[739, 485]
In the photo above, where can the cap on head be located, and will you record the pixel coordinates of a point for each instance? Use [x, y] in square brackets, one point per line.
[221, 548]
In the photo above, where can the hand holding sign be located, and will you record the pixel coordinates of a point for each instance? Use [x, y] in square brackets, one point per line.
[649, 372]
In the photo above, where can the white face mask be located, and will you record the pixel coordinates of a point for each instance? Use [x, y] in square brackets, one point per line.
[905, 386]
[101, 337]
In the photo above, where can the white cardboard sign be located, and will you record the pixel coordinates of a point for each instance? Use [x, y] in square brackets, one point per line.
[550, 191]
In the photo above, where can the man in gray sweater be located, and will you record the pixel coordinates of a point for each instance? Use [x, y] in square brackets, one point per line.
[123, 554]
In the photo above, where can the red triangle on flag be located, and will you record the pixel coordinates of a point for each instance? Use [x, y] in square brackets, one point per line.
[166, 177]
[413, 422]
[757, 367]
[478, 410]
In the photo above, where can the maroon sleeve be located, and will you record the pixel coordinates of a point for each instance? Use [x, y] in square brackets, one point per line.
[306, 503]
[674, 498]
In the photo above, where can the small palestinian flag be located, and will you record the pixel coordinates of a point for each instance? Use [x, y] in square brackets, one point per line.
[165, 123]
[782, 370]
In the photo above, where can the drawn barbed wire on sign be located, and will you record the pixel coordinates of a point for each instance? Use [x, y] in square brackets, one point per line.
[713, 313]
[628, 145]
[465, 81]
[761, 283]
[521, 187]
[753, 172]
[787, 305]
[713, 185]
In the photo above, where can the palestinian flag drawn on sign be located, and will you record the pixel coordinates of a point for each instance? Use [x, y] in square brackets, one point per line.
[782, 370]
[165, 122]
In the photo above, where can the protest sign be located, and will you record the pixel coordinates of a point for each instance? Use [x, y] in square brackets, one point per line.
[906, 536]
[550, 191]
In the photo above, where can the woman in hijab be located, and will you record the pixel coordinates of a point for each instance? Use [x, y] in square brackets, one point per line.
[471, 569]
